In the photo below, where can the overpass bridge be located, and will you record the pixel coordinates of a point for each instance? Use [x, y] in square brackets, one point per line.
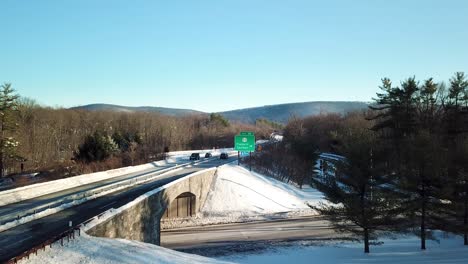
[140, 219]
[141, 206]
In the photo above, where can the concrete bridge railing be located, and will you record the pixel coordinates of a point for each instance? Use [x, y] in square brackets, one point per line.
[140, 219]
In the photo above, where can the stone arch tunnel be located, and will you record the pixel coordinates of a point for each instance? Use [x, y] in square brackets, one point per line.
[140, 220]
[183, 205]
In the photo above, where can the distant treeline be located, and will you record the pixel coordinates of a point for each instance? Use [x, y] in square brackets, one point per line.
[69, 142]
[405, 166]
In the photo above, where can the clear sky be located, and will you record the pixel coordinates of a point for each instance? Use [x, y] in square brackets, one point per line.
[219, 55]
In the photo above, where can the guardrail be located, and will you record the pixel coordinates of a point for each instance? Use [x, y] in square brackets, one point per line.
[69, 234]
[75, 199]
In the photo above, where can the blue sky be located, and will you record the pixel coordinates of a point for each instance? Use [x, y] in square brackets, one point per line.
[219, 55]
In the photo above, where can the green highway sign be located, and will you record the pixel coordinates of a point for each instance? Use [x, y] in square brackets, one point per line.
[246, 133]
[244, 142]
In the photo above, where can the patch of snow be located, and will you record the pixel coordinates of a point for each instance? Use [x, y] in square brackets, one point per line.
[96, 250]
[276, 137]
[402, 250]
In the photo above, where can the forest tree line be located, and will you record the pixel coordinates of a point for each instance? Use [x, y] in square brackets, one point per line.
[405, 165]
[70, 141]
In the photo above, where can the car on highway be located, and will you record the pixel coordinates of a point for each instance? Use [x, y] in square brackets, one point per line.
[224, 156]
[208, 155]
[195, 156]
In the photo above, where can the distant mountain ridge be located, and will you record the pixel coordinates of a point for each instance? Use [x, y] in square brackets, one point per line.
[279, 113]
[130, 109]
[282, 112]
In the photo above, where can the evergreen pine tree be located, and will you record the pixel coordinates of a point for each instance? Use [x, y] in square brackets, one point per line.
[8, 125]
[96, 147]
[456, 137]
[407, 117]
[360, 195]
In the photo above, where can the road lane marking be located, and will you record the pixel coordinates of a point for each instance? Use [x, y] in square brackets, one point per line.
[107, 205]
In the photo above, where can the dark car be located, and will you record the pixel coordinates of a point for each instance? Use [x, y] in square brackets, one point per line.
[195, 156]
[224, 156]
[208, 155]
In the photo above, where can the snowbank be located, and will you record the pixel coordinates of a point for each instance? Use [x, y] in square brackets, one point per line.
[90, 250]
[277, 138]
[403, 250]
[239, 191]
[239, 195]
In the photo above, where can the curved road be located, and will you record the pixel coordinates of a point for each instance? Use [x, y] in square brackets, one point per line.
[16, 240]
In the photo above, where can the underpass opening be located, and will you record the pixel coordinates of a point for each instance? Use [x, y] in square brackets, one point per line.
[182, 206]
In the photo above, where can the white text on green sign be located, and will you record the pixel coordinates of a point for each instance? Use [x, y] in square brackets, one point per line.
[246, 133]
[244, 143]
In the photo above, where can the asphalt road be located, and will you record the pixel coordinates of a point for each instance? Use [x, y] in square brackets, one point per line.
[10, 209]
[16, 240]
[299, 228]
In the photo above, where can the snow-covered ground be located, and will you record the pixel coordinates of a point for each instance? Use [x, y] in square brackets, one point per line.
[240, 195]
[97, 250]
[402, 250]
[239, 191]
[87, 249]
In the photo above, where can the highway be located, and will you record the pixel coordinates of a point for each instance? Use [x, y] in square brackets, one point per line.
[10, 209]
[203, 240]
[16, 240]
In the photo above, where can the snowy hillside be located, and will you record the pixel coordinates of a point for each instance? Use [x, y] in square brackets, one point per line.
[97, 250]
[239, 195]
[239, 191]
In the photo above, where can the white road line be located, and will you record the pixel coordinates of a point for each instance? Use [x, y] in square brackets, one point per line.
[107, 205]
